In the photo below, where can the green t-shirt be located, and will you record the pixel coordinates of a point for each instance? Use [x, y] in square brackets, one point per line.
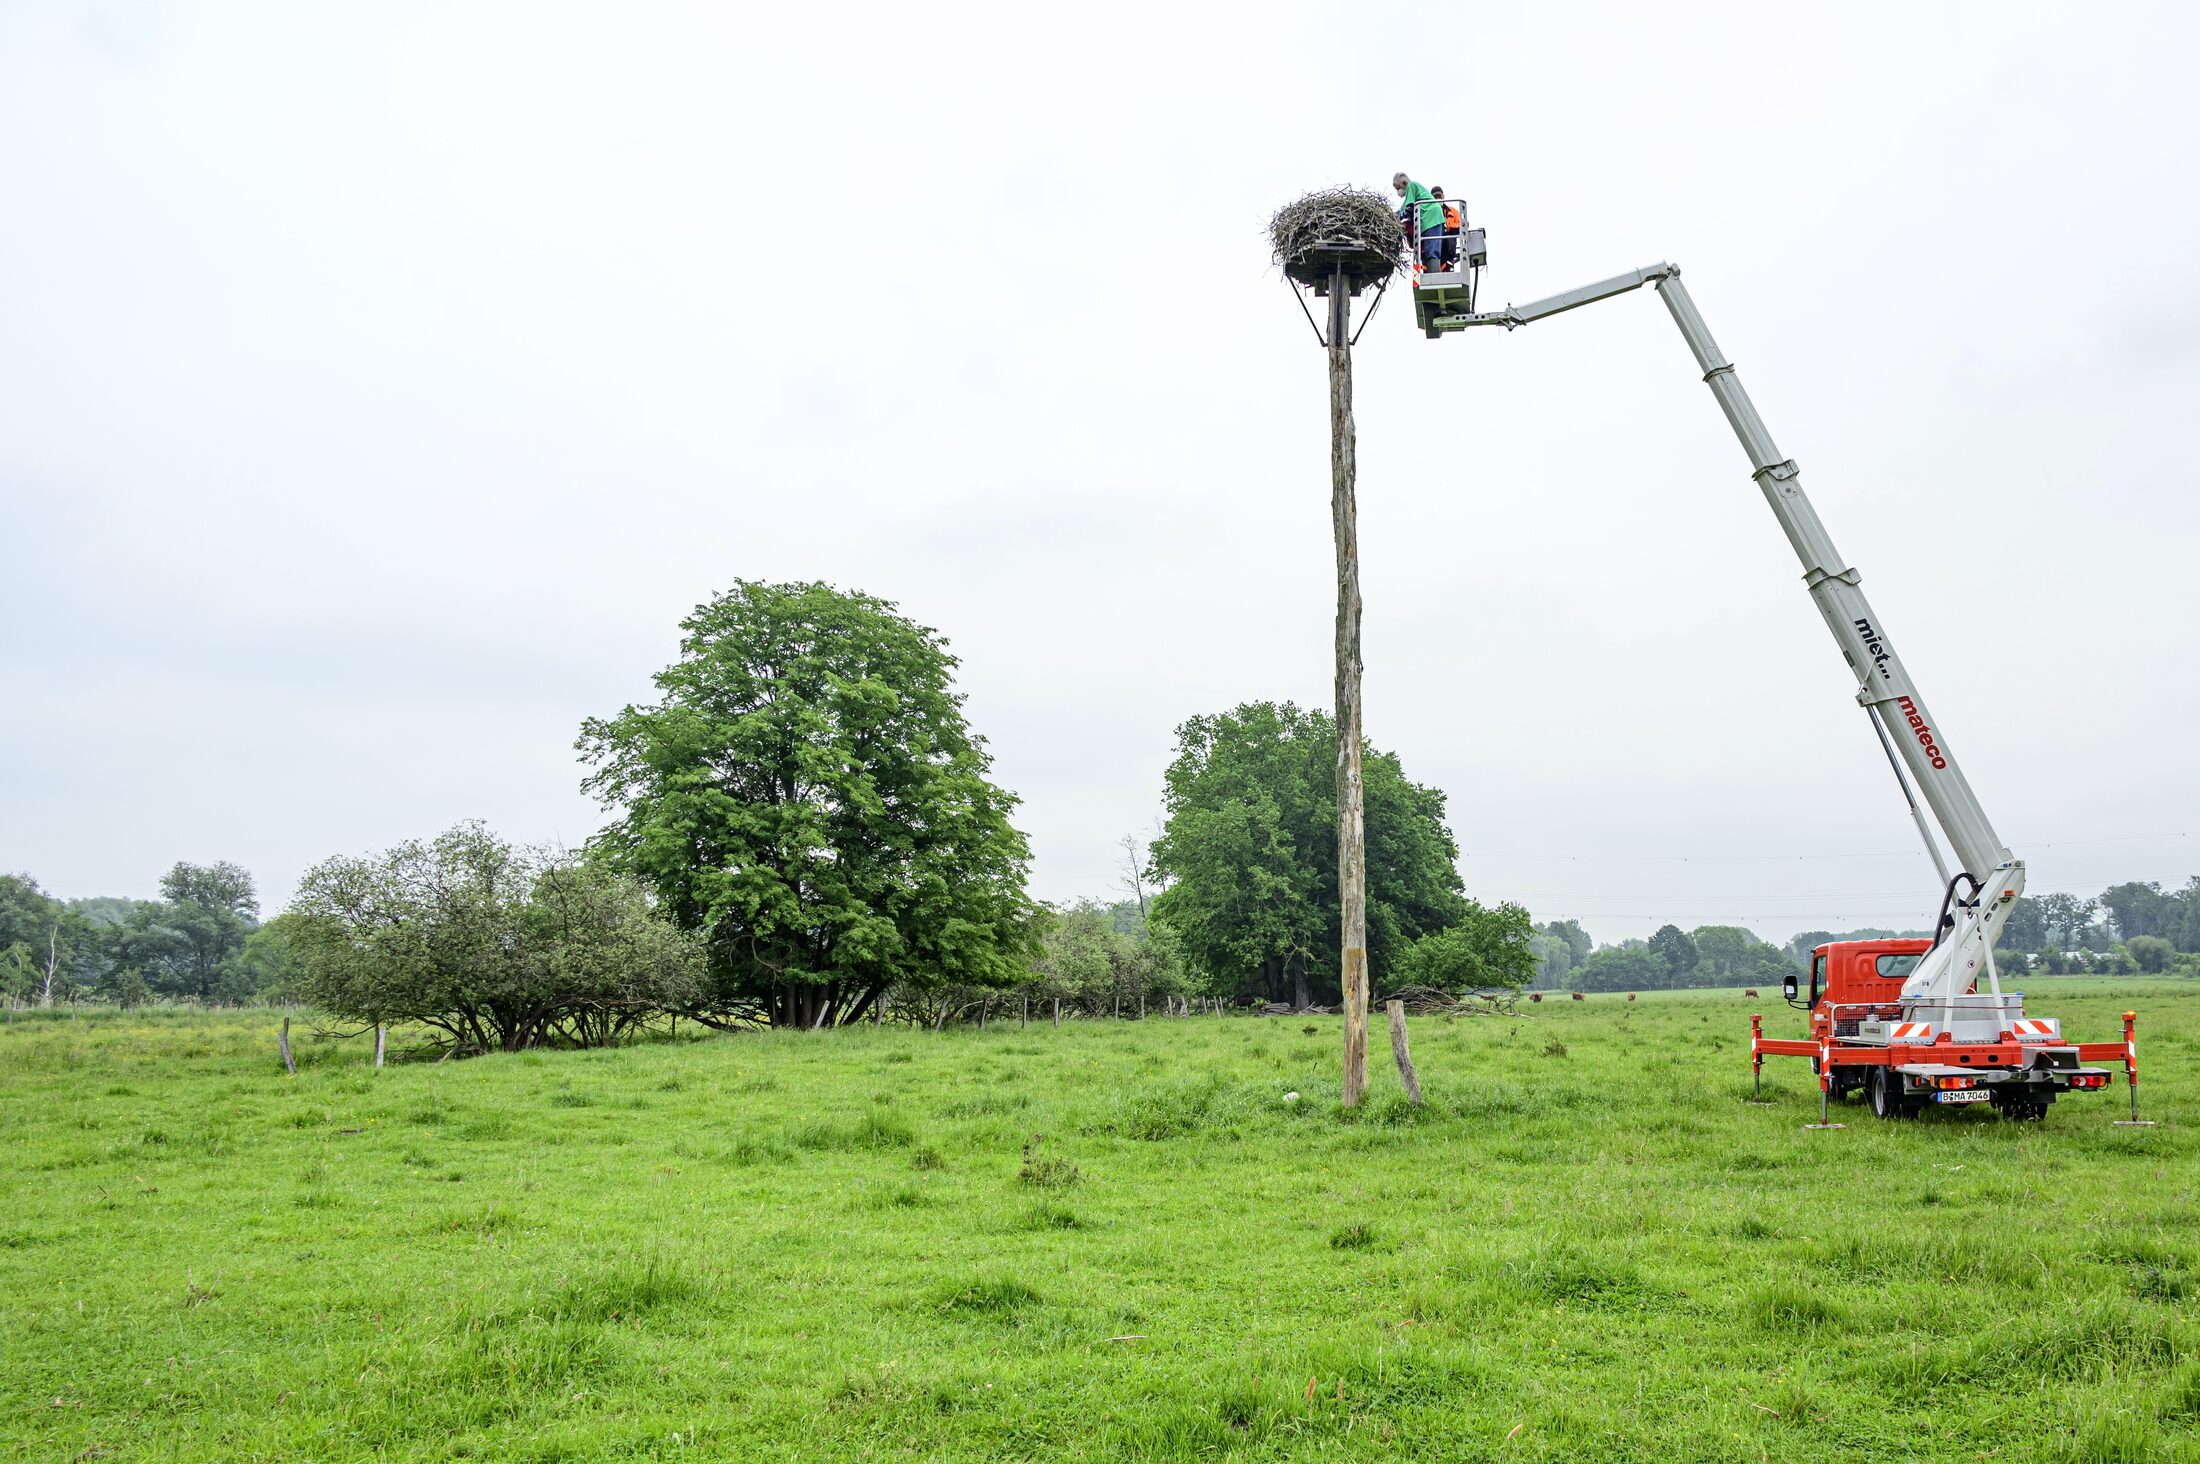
[1432, 212]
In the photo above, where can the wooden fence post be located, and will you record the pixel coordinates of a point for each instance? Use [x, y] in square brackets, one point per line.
[282, 1040]
[380, 1032]
[1397, 1010]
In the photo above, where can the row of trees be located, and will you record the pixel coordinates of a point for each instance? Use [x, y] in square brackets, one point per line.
[1709, 955]
[804, 829]
[202, 940]
[2135, 927]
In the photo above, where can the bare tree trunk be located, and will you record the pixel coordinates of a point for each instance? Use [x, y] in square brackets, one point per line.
[1397, 1010]
[380, 1032]
[1351, 828]
[1133, 873]
[1057, 1011]
[53, 959]
[282, 1040]
[1023, 1018]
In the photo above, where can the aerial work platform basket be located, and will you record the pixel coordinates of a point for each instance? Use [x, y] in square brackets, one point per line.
[1451, 290]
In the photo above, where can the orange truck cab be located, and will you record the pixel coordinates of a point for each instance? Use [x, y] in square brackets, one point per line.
[1855, 980]
[1976, 1047]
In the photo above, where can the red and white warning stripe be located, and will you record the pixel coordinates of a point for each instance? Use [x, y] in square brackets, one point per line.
[1913, 1032]
[2031, 1028]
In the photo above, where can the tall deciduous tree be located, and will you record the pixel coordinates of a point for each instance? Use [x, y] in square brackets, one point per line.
[212, 908]
[1249, 852]
[806, 795]
[1672, 946]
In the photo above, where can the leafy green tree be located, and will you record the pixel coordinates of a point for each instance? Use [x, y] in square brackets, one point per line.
[1554, 959]
[1076, 958]
[1104, 960]
[104, 912]
[501, 948]
[2150, 953]
[1248, 853]
[1728, 955]
[1623, 968]
[126, 988]
[43, 943]
[211, 908]
[1570, 931]
[1485, 950]
[2025, 928]
[2140, 908]
[2068, 919]
[271, 967]
[1673, 948]
[805, 794]
[145, 944]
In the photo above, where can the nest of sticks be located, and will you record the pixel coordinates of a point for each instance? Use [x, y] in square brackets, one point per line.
[1348, 228]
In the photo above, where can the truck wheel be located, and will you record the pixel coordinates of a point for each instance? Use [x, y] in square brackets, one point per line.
[1885, 1086]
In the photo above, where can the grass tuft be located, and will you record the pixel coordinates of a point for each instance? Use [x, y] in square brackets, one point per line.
[990, 1297]
[1046, 1171]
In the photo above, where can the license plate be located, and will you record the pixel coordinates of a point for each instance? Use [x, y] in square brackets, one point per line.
[1962, 1095]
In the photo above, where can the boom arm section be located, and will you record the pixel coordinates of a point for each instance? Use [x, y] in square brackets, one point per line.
[1883, 686]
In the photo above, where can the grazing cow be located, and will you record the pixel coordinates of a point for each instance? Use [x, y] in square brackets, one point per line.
[1579, 997]
[1630, 996]
[1751, 992]
[1538, 996]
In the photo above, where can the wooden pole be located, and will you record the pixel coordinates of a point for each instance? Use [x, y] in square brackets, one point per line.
[380, 1032]
[282, 1040]
[1351, 828]
[1397, 1010]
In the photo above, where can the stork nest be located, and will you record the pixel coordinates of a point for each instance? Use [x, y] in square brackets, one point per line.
[1349, 228]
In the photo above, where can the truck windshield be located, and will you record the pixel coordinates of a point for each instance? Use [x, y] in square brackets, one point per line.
[1898, 965]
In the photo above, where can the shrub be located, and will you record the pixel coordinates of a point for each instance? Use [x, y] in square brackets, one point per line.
[497, 946]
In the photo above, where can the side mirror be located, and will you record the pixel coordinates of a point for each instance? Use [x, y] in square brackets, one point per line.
[1787, 986]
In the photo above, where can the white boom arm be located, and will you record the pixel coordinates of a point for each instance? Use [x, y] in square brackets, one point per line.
[1884, 688]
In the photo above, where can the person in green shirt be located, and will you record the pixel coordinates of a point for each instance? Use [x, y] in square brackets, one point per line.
[1423, 217]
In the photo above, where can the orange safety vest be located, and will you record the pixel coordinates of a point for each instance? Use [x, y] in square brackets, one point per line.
[1451, 215]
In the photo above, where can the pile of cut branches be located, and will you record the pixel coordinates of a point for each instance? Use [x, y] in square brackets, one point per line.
[1494, 1002]
[1347, 227]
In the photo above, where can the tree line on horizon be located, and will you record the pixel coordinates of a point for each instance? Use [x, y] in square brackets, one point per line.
[805, 832]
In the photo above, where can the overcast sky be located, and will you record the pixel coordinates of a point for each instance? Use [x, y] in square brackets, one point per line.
[380, 383]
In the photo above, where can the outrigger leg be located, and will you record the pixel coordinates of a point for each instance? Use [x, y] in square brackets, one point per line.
[1825, 1088]
[2131, 1073]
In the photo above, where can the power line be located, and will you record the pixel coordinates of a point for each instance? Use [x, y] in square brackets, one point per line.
[1914, 914]
[1912, 852]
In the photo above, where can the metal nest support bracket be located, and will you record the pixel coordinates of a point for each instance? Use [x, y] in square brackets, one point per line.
[1350, 270]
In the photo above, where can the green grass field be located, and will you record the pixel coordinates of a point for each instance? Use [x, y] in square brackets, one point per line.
[843, 1246]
